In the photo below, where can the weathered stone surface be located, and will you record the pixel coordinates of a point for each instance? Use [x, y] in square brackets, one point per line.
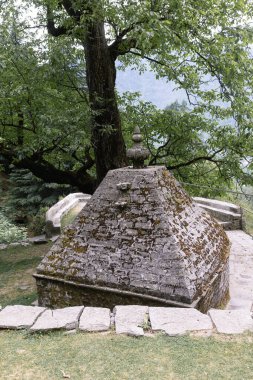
[19, 316]
[178, 321]
[95, 319]
[148, 238]
[241, 270]
[130, 319]
[66, 318]
[231, 321]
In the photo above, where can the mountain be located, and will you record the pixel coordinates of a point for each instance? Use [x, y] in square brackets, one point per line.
[157, 91]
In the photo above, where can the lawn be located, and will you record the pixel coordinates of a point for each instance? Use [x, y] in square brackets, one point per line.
[17, 264]
[83, 356]
[100, 357]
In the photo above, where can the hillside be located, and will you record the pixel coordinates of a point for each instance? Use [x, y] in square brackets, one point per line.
[160, 92]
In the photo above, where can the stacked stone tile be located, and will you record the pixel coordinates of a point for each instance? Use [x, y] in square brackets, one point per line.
[132, 320]
[141, 241]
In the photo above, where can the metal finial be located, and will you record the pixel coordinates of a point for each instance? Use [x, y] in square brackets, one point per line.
[138, 153]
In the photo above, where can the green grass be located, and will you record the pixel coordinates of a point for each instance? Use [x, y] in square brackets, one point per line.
[102, 357]
[25, 356]
[17, 265]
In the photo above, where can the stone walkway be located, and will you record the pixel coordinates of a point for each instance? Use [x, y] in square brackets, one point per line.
[241, 270]
[130, 320]
[142, 320]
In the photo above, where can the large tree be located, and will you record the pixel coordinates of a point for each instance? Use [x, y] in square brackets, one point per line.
[203, 47]
[192, 43]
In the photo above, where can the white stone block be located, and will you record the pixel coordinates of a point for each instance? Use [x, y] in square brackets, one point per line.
[66, 318]
[231, 321]
[95, 319]
[130, 319]
[19, 316]
[178, 321]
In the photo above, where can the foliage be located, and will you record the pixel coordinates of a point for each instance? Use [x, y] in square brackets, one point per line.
[9, 232]
[29, 197]
[203, 47]
[44, 116]
[187, 143]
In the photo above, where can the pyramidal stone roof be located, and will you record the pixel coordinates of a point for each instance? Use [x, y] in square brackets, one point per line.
[139, 236]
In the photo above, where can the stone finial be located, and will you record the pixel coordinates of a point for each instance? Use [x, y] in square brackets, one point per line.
[138, 153]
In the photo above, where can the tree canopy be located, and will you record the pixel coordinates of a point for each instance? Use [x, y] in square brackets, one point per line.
[59, 107]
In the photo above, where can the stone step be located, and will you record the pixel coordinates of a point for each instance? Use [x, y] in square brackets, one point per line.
[177, 321]
[231, 321]
[222, 213]
[226, 206]
[225, 225]
[95, 319]
[19, 316]
[66, 318]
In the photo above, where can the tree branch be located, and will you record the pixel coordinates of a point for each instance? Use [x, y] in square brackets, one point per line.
[196, 159]
[52, 29]
[43, 169]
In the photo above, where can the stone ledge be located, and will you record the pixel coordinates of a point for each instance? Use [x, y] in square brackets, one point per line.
[133, 320]
[229, 215]
[56, 212]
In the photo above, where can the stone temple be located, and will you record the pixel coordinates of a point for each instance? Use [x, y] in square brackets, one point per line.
[139, 240]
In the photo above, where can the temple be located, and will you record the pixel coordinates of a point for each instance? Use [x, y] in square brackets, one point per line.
[139, 240]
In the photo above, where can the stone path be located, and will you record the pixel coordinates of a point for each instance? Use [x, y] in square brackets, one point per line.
[241, 270]
[130, 320]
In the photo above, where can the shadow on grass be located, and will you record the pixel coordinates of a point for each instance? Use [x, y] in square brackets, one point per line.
[8, 266]
[17, 286]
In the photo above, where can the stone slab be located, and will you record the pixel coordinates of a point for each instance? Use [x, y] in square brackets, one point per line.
[178, 321]
[19, 316]
[95, 319]
[241, 270]
[239, 303]
[231, 321]
[66, 319]
[130, 319]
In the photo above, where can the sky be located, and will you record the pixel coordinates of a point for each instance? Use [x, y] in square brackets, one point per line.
[157, 91]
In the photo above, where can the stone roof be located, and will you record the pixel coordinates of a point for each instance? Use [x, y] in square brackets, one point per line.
[141, 232]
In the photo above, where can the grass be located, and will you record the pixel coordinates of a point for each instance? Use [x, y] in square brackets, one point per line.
[17, 264]
[102, 357]
[79, 356]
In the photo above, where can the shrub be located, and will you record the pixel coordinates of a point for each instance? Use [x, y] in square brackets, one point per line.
[9, 232]
[27, 194]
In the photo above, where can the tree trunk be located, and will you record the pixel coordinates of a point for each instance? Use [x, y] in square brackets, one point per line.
[107, 139]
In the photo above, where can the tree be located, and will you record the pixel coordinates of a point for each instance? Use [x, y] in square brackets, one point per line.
[204, 47]
[193, 146]
[44, 116]
[191, 43]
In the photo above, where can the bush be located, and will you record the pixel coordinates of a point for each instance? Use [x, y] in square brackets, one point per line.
[37, 223]
[9, 232]
[27, 195]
